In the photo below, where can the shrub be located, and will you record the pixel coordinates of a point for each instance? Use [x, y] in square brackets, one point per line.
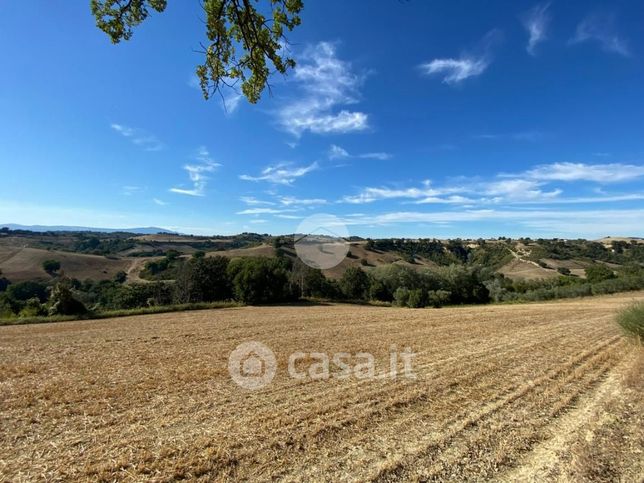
[401, 296]
[631, 320]
[51, 266]
[120, 277]
[438, 298]
[33, 308]
[203, 280]
[417, 298]
[599, 273]
[62, 302]
[260, 280]
[355, 283]
[24, 291]
[564, 270]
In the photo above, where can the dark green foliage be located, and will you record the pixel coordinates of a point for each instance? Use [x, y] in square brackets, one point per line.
[244, 43]
[62, 301]
[355, 284]
[32, 308]
[120, 277]
[401, 296]
[311, 282]
[417, 298]
[51, 266]
[203, 280]
[4, 283]
[438, 298]
[631, 320]
[24, 291]
[563, 270]
[260, 280]
[599, 273]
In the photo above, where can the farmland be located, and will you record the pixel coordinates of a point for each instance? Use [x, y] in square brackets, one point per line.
[507, 392]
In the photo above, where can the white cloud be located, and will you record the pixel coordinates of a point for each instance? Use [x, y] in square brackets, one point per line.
[159, 202]
[292, 201]
[456, 70]
[130, 190]
[600, 173]
[338, 152]
[327, 83]
[252, 201]
[197, 174]
[600, 28]
[588, 223]
[369, 195]
[281, 173]
[536, 23]
[517, 190]
[139, 137]
[262, 211]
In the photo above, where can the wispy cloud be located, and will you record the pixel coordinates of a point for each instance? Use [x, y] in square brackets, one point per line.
[263, 211]
[469, 64]
[130, 190]
[281, 173]
[338, 152]
[536, 23]
[252, 201]
[534, 186]
[589, 223]
[518, 190]
[197, 173]
[139, 137]
[600, 28]
[159, 202]
[529, 136]
[426, 192]
[292, 201]
[326, 83]
[599, 173]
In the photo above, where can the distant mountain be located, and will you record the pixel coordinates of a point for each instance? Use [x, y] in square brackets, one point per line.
[151, 230]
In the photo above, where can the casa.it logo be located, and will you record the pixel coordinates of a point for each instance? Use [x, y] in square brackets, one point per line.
[252, 365]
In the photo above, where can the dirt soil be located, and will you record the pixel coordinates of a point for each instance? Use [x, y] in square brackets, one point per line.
[534, 392]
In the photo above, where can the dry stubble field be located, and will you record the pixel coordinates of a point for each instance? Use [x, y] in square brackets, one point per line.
[514, 393]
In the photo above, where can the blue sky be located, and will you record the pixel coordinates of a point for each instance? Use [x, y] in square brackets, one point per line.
[432, 119]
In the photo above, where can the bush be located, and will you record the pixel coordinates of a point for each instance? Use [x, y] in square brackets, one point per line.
[599, 273]
[24, 291]
[355, 284]
[401, 296]
[62, 302]
[438, 298]
[417, 298]
[51, 266]
[203, 280]
[33, 308]
[564, 271]
[631, 320]
[260, 280]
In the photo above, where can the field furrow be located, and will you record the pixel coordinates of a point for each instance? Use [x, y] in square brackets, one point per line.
[150, 397]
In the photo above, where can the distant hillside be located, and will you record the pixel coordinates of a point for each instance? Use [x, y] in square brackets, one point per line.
[152, 230]
[98, 254]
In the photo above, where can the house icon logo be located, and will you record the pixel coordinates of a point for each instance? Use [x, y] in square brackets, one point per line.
[322, 241]
[252, 365]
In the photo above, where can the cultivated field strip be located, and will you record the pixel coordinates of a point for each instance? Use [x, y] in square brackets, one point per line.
[149, 397]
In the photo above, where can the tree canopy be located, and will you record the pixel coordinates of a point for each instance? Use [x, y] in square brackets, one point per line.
[245, 45]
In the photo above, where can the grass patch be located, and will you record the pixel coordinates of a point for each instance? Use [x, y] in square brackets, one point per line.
[631, 320]
[120, 313]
